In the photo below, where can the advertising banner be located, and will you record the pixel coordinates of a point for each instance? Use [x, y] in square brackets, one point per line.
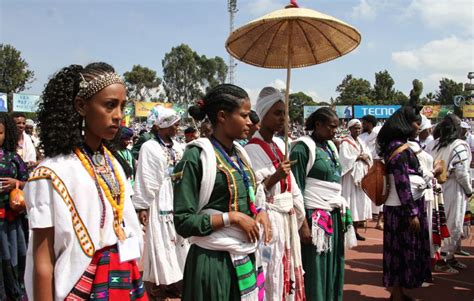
[3, 102]
[142, 108]
[25, 102]
[468, 111]
[382, 112]
[436, 111]
[343, 112]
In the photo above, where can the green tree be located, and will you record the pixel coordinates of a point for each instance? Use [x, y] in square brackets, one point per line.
[141, 82]
[383, 92]
[14, 72]
[187, 75]
[213, 71]
[181, 77]
[399, 98]
[354, 91]
[297, 103]
[448, 88]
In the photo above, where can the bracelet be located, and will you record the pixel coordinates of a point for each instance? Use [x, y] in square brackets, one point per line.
[225, 219]
[260, 209]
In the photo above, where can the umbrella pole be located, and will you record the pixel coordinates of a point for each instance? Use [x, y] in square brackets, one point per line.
[287, 91]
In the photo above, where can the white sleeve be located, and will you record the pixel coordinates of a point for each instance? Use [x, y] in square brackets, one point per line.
[149, 176]
[40, 196]
[298, 201]
[460, 163]
[30, 150]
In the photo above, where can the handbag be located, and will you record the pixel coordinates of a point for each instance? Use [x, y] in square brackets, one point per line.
[17, 199]
[375, 183]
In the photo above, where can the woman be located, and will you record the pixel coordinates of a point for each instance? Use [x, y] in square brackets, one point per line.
[119, 148]
[355, 161]
[284, 202]
[13, 172]
[457, 190]
[318, 174]
[166, 251]
[406, 259]
[85, 232]
[215, 203]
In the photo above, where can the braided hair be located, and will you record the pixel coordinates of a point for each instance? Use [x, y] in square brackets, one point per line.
[11, 133]
[59, 123]
[225, 97]
[321, 115]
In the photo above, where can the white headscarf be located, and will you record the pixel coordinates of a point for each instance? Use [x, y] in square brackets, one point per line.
[162, 117]
[353, 122]
[425, 123]
[266, 99]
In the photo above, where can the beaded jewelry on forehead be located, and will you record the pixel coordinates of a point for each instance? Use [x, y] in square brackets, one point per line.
[88, 89]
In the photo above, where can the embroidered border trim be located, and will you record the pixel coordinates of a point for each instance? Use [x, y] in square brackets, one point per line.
[79, 228]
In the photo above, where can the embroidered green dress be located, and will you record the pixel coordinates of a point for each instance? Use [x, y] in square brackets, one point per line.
[208, 275]
[324, 273]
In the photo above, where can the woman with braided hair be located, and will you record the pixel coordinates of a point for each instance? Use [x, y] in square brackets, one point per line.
[85, 232]
[216, 200]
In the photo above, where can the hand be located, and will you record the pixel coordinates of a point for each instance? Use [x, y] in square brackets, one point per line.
[8, 184]
[283, 170]
[305, 234]
[414, 224]
[262, 218]
[246, 223]
[143, 217]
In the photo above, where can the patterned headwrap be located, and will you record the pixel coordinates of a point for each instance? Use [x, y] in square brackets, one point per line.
[162, 117]
[87, 89]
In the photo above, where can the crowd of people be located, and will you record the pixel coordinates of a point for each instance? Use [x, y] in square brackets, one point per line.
[219, 212]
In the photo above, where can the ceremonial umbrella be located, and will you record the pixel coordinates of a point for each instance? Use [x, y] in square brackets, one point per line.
[292, 37]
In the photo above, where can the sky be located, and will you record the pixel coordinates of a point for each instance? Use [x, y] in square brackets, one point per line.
[422, 39]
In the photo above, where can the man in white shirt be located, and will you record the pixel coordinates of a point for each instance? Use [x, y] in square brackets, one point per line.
[26, 149]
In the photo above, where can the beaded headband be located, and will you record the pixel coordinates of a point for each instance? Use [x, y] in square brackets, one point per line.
[88, 89]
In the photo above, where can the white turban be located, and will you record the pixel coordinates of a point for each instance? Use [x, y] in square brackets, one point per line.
[29, 122]
[425, 123]
[465, 125]
[162, 117]
[353, 122]
[266, 99]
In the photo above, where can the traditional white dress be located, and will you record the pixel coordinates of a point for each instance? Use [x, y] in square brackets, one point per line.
[61, 194]
[166, 251]
[457, 156]
[280, 245]
[371, 141]
[353, 171]
[27, 150]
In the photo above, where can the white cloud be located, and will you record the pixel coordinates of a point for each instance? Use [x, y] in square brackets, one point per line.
[261, 7]
[450, 55]
[314, 95]
[365, 10]
[442, 13]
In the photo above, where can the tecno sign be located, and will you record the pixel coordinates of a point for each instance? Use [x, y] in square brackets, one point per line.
[377, 111]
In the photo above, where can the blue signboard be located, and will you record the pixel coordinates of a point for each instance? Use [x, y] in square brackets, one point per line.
[3, 102]
[343, 112]
[25, 102]
[377, 111]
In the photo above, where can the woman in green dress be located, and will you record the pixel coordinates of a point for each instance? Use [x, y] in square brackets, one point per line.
[215, 203]
[318, 174]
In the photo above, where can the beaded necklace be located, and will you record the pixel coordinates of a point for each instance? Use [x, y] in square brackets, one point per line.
[172, 160]
[105, 185]
[239, 167]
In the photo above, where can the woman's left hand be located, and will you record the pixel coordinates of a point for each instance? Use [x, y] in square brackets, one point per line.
[8, 184]
[262, 218]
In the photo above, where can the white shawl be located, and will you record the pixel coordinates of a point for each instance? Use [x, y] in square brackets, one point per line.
[349, 150]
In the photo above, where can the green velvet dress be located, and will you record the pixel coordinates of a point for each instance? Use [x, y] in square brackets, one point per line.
[208, 275]
[324, 273]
